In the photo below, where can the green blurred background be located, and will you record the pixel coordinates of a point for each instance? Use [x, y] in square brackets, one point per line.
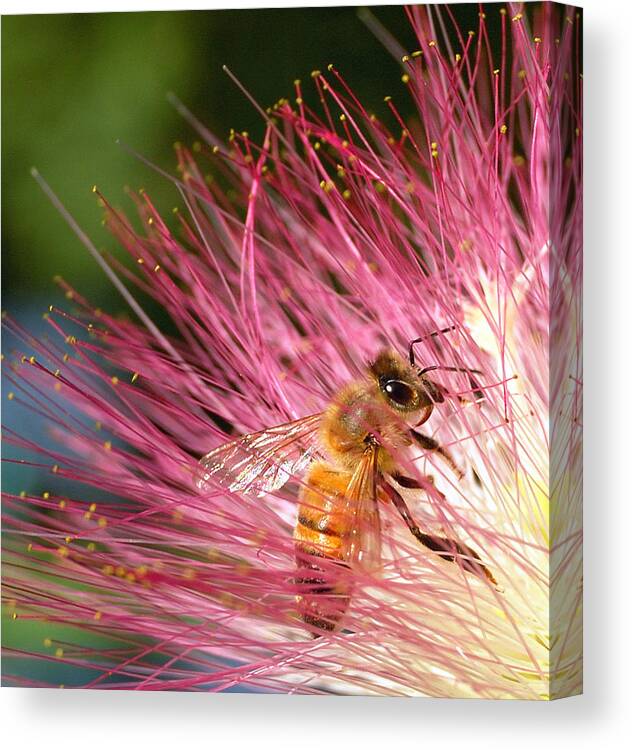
[72, 84]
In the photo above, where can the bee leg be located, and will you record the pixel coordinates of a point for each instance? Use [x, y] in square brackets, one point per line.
[430, 444]
[448, 549]
[407, 482]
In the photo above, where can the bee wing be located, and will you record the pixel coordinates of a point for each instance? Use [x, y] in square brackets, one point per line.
[264, 461]
[364, 541]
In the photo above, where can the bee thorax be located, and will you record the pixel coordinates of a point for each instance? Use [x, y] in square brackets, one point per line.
[357, 417]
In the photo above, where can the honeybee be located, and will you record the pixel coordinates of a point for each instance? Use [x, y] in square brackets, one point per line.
[350, 456]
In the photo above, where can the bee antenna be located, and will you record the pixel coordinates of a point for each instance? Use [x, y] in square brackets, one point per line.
[449, 369]
[411, 353]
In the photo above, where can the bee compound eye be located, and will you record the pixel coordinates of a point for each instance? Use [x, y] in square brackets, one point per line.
[399, 392]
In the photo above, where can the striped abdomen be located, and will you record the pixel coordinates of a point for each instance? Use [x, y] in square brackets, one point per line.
[320, 538]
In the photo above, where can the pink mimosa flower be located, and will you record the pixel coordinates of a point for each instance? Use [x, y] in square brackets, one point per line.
[340, 234]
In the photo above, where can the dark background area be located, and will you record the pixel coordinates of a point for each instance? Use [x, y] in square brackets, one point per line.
[73, 84]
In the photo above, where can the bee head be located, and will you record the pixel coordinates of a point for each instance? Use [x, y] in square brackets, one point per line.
[402, 385]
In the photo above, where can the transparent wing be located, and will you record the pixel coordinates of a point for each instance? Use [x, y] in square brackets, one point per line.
[264, 461]
[364, 542]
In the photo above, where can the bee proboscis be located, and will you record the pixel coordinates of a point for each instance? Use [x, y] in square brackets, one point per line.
[349, 454]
